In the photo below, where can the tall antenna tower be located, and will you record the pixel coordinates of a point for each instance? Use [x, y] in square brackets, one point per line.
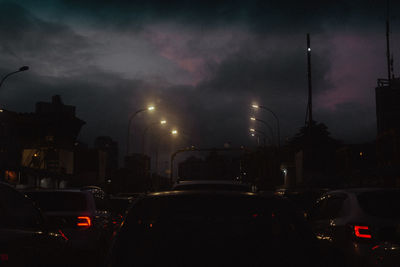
[389, 61]
[309, 104]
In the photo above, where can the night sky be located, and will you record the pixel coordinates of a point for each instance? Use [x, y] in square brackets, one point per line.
[202, 63]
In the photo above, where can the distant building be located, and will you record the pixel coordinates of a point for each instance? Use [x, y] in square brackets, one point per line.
[90, 166]
[138, 164]
[388, 129]
[356, 164]
[110, 148]
[388, 106]
[192, 168]
[37, 148]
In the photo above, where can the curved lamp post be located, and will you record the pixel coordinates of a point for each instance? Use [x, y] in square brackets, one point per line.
[150, 108]
[23, 68]
[277, 121]
[253, 131]
[161, 122]
[266, 124]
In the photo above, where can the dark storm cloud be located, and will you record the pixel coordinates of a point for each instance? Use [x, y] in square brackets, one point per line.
[268, 66]
[350, 122]
[259, 15]
[280, 69]
[32, 41]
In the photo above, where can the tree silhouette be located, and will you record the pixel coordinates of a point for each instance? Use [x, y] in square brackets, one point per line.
[316, 136]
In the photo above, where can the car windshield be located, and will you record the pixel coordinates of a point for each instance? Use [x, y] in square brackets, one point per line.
[380, 203]
[59, 201]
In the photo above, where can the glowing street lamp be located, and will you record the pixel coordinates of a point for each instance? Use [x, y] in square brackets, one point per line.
[254, 132]
[265, 123]
[174, 132]
[149, 108]
[255, 106]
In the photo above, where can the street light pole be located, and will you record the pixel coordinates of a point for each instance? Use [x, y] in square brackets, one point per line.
[162, 122]
[23, 68]
[129, 126]
[277, 122]
[266, 124]
[252, 130]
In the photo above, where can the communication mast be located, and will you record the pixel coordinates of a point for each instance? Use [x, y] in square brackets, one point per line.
[309, 117]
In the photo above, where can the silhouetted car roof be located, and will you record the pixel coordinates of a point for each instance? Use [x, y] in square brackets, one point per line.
[211, 185]
[359, 190]
[211, 227]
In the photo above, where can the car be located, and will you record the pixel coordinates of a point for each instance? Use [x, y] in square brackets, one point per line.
[211, 185]
[25, 237]
[118, 208]
[360, 226]
[82, 215]
[207, 228]
[128, 194]
[302, 198]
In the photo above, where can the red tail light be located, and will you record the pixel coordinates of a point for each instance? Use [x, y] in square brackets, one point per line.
[362, 231]
[3, 257]
[84, 221]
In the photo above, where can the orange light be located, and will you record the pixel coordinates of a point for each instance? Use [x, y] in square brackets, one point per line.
[357, 229]
[84, 221]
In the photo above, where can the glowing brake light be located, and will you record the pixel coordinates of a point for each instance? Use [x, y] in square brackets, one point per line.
[365, 229]
[84, 221]
[3, 257]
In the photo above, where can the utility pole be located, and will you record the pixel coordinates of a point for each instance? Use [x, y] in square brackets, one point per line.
[309, 105]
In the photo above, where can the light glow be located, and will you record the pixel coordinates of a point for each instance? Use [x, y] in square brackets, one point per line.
[151, 108]
[252, 118]
[174, 132]
[163, 122]
[255, 106]
[3, 257]
[252, 130]
[357, 229]
[84, 221]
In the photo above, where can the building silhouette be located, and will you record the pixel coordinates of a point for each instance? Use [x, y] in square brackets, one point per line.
[37, 149]
[387, 95]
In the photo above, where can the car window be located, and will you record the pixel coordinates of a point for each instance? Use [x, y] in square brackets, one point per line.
[59, 201]
[334, 207]
[380, 203]
[318, 211]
